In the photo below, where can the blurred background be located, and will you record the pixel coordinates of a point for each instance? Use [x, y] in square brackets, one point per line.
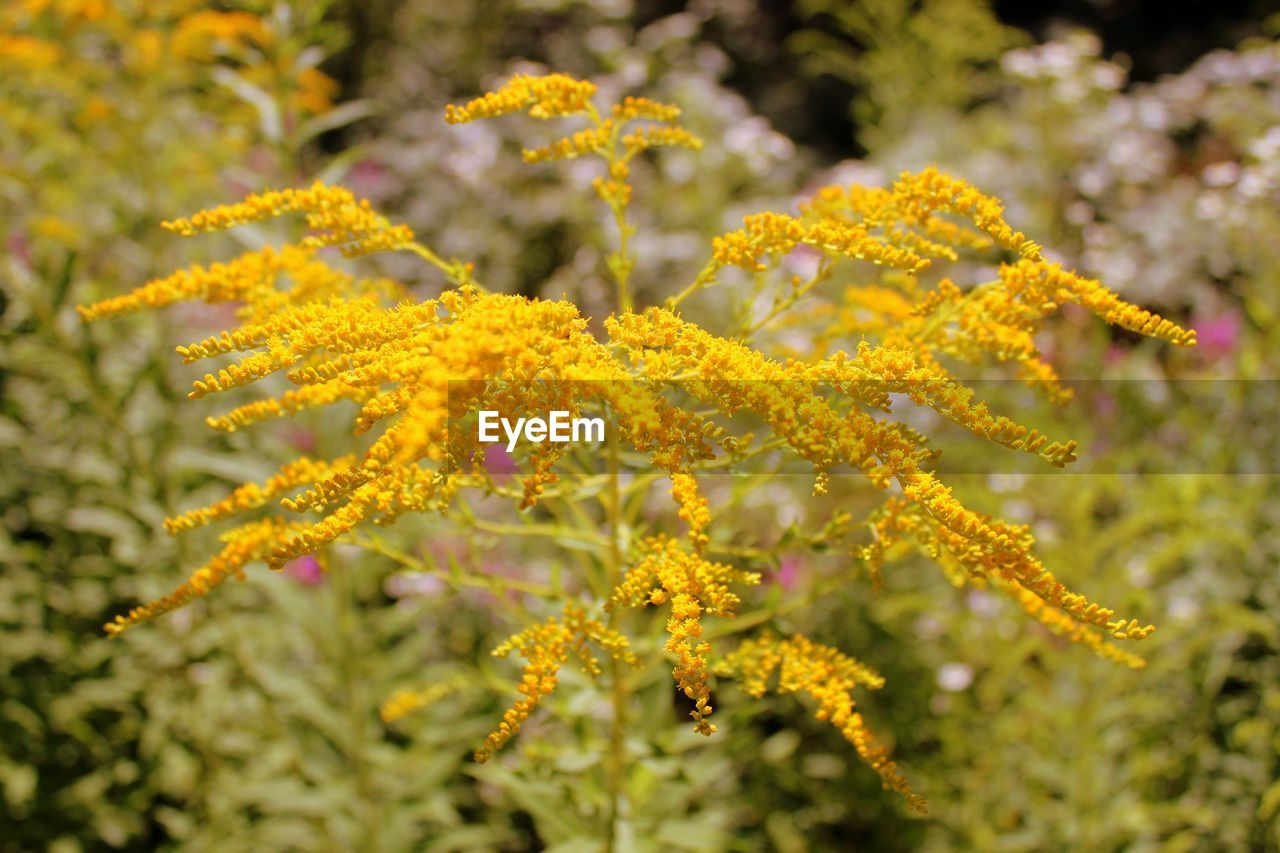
[1139, 141]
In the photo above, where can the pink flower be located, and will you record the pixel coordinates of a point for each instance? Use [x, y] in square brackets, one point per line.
[300, 437]
[498, 462]
[306, 570]
[370, 179]
[221, 315]
[16, 244]
[1219, 336]
[788, 574]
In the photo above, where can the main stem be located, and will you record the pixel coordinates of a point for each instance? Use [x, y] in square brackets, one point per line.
[617, 761]
[623, 271]
[616, 770]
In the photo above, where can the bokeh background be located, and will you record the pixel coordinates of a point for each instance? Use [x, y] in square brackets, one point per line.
[1140, 141]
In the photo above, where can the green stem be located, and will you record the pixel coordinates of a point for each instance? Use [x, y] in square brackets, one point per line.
[457, 578]
[783, 304]
[705, 277]
[617, 761]
[346, 621]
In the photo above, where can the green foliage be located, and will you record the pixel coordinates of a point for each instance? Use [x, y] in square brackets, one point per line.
[910, 61]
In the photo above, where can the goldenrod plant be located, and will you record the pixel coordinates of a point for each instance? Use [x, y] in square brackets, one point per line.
[939, 281]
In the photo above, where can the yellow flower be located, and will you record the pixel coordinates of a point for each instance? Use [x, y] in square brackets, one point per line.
[315, 91]
[693, 587]
[653, 137]
[402, 703]
[545, 648]
[733, 377]
[57, 229]
[643, 108]
[778, 234]
[28, 53]
[922, 193]
[562, 95]
[335, 216]
[693, 508]
[829, 676]
[242, 279]
[288, 403]
[544, 97]
[244, 544]
[593, 140]
[1063, 625]
[199, 33]
[251, 495]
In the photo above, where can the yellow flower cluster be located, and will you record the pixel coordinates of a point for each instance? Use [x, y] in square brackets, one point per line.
[244, 544]
[898, 226]
[597, 140]
[921, 194]
[655, 137]
[829, 677]
[777, 234]
[1064, 626]
[897, 371]
[592, 140]
[245, 279]
[404, 702]
[963, 560]
[338, 348]
[545, 97]
[421, 370]
[545, 648]
[288, 403]
[693, 587]
[733, 377]
[27, 53]
[607, 137]
[251, 496]
[693, 508]
[630, 108]
[993, 320]
[334, 215]
[198, 33]
[1045, 285]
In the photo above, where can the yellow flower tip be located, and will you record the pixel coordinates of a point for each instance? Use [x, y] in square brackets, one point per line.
[544, 97]
[334, 215]
[545, 647]
[589, 141]
[243, 544]
[404, 702]
[1130, 630]
[631, 108]
[117, 626]
[829, 677]
[655, 137]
